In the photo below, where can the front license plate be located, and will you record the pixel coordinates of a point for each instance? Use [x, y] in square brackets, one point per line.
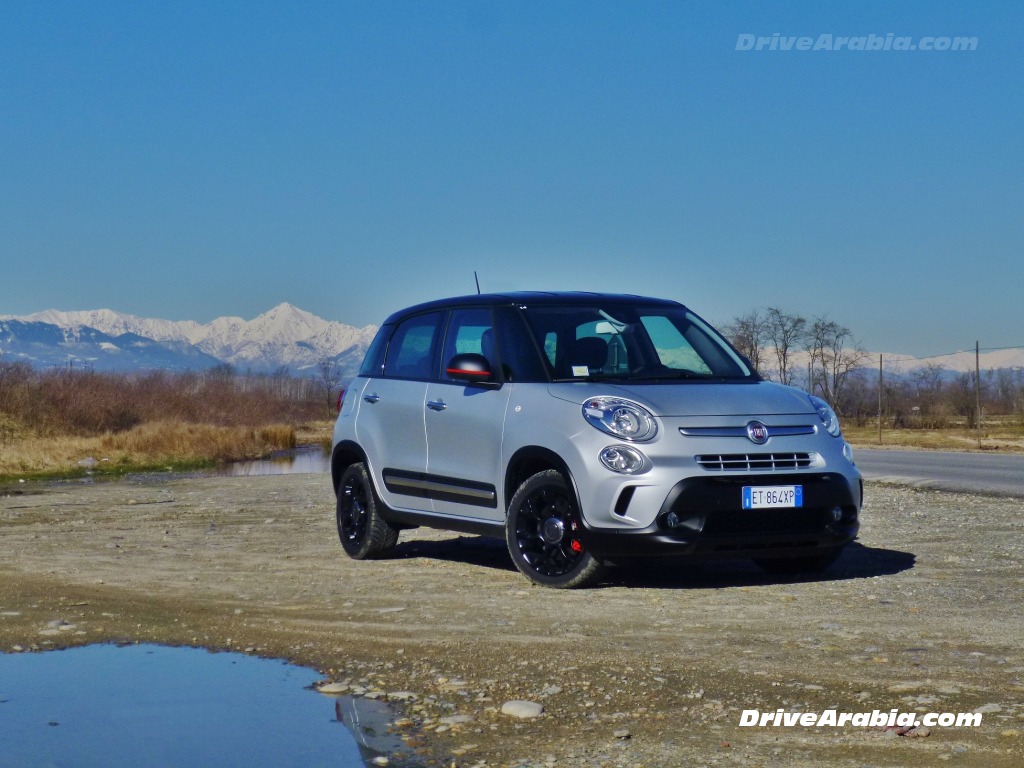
[773, 496]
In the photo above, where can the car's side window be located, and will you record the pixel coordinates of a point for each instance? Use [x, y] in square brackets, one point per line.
[551, 347]
[412, 349]
[470, 330]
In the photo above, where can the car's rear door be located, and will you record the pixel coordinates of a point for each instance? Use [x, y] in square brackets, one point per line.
[391, 425]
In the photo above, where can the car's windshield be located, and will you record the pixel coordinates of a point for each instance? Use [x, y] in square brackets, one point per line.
[632, 342]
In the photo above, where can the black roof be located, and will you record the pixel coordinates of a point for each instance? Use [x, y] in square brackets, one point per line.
[533, 298]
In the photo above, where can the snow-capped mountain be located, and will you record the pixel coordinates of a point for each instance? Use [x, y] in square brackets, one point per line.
[897, 364]
[46, 345]
[284, 337]
[959, 362]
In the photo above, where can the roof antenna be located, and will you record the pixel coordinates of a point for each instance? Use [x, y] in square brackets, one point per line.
[477, 282]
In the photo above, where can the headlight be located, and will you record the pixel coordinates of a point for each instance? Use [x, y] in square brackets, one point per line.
[622, 418]
[826, 414]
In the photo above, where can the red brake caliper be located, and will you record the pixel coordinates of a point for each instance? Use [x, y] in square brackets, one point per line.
[575, 544]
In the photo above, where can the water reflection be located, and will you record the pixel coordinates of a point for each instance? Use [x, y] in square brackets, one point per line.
[155, 706]
[307, 459]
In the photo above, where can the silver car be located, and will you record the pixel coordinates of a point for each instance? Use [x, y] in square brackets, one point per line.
[586, 428]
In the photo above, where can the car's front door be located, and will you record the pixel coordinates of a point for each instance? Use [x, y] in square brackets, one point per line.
[464, 425]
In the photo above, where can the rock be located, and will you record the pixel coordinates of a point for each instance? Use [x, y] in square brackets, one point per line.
[406, 696]
[622, 734]
[456, 719]
[333, 689]
[522, 709]
[987, 709]
[906, 687]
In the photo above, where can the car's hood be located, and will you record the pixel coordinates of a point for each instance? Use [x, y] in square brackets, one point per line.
[695, 398]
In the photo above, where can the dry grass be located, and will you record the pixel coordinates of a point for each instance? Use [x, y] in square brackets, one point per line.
[998, 434]
[60, 421]
[315, 433]
[162, 444]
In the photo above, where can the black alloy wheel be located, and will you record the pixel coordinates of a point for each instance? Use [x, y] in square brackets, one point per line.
[363, 532]
[543, 534]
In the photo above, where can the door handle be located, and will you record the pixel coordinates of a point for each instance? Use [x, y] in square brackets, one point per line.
[371, 398]
[436, 405]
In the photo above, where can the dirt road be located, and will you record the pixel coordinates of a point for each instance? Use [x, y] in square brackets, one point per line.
[654, 668]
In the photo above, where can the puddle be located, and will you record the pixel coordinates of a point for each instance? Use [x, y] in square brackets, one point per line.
[162, 707]
[308, 459]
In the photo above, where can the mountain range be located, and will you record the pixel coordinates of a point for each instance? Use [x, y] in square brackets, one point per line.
[286, 337]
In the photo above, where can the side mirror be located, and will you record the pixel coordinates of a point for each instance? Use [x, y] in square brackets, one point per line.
[470, 368]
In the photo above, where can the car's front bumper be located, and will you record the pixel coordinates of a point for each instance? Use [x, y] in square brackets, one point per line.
[703, 517]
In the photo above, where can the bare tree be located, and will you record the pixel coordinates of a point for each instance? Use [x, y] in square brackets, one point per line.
[929, 385]
[749, 335]
[328, 378]
[835, 356]
[785, 332]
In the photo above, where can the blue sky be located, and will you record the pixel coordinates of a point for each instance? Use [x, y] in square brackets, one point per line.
[197, 159]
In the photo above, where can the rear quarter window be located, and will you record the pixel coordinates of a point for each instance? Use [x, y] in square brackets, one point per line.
[373, 362]
[411, 352]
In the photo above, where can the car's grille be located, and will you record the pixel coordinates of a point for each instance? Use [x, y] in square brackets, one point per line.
[747, 462]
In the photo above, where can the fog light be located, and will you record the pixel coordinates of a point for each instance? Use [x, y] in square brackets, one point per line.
[622, 459]
[672, 520]
[837, 513]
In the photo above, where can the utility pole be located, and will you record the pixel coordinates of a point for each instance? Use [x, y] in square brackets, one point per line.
[977, 385]
[879, 399]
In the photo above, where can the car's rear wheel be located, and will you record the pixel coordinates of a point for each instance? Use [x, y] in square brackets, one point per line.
[363, 532]
[791, 566]
[543, 534]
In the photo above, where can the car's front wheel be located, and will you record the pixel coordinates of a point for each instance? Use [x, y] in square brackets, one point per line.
[543, 534]
[364, 533]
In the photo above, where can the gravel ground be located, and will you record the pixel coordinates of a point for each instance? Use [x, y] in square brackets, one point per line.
[652, 668]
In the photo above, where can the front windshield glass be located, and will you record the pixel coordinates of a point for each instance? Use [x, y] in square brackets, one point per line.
[632, 343]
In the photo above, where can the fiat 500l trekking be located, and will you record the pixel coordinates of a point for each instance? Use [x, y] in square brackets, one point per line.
[583, 429]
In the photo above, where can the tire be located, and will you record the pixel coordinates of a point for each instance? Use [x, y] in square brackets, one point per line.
[539, 530]
[363, 532]
[791, 566]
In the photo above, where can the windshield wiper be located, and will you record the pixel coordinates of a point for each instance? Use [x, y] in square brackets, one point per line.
[596, 377]
[669, 375]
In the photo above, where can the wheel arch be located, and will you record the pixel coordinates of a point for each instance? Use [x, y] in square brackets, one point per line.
[345, 454]
[528, 461]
